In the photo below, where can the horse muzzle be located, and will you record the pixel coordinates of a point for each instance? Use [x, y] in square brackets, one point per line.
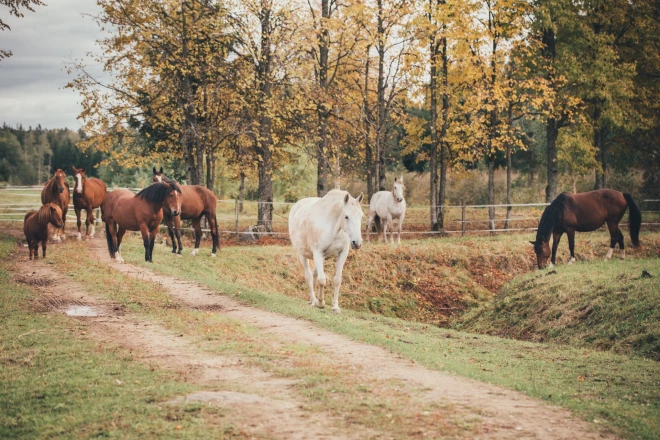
[355, 245]
[399, 200]
[175, 213]
[60, 190]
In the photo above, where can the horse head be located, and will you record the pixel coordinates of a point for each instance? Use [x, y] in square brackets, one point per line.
[172, 196]
[60, 180]
[55, 215]
[79, 174]
[542, 251]
[397, 189]
[351, 219]
[158, 175]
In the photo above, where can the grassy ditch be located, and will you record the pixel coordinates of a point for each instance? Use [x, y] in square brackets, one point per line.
[620, 391]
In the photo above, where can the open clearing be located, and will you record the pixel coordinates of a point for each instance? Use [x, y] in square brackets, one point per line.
[274, 375]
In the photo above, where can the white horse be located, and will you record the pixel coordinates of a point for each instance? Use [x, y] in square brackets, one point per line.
[386, 206]
[321, 228]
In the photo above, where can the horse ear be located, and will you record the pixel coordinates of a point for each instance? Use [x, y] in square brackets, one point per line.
[396, 179]
[154, 170]
[533, 242]
[83, 170]
[161, 170]
[347, 197]
[75, 170]
[360, 197]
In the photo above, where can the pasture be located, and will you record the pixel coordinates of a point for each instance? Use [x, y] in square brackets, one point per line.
[408, 300]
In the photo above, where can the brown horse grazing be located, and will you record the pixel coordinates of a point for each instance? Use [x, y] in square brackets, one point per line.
[585, 212]
[196, 203]
[56, 191]
[88, 194]
[124, 211]
[35, 227]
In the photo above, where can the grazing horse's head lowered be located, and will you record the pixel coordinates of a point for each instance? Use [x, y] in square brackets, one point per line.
[542, 251]
[397, 189]
[351, 219]
[60, 180]
[158, 175]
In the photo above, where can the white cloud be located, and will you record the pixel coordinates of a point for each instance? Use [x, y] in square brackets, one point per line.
[32, 81]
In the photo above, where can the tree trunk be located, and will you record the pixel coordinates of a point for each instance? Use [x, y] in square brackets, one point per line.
[368, 152]
[599, 144]
[551, 133]
[491, 191]
[508, 186]
[323, 141]
[241, 192]
[443, 135]
[265, 168]
[382, 116]
[433, 107]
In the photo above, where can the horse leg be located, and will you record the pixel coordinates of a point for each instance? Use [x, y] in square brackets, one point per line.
[320, 274]
[400, 225]
[170, 232]
[341, 259]
[29, 243]
[43, 248]
[213, 225]
[390, 225]
[614, 238]
[571, 245]
[120, 236]
[622, 250]
[90, 222]
[152, 242]
[556, 236]
[78, 222]
[35, 249]
[309, 277]
[146, 241]
[197, 226]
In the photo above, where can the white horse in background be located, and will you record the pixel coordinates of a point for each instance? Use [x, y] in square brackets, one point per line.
[321, 228]
[386, 206]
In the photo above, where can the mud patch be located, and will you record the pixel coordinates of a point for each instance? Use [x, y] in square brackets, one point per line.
[82, 311]
[34, 280]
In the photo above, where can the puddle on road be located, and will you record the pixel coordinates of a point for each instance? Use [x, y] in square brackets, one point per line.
[82, 311]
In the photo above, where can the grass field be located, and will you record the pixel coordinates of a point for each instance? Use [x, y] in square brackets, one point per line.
[57, 384]
[618, 390]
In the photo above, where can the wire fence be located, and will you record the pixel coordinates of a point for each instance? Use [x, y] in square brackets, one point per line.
[236, 218]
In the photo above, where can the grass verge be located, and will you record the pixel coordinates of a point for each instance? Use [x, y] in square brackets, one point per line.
[55, 384]
[620, 391]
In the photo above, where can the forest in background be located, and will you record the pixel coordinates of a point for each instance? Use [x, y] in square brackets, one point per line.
[293, 97]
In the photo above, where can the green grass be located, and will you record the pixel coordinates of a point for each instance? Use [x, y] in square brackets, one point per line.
[620, 391]
[606, 305]
[57, 385]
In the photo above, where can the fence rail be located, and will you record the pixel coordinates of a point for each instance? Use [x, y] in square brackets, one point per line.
[460, 219]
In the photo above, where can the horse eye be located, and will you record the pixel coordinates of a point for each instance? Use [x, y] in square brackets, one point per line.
[346, 217]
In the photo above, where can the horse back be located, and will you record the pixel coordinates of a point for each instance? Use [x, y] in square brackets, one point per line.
[196, 200]
[112, 199]
[590, 210]
[32, 229]
[97, 191]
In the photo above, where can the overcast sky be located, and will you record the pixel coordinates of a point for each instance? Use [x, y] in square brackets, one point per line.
[32, 81]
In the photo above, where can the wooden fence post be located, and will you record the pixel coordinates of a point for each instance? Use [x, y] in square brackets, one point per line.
[462, 217]
[236, 215]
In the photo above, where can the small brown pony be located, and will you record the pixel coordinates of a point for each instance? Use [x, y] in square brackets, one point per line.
[585, 212]
[124, 211]
[56, 191]
[196, 202]
[35, 227]
[88, 194]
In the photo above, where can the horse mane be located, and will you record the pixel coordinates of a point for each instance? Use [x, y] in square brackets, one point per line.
[551, 216]
[43, 215]
[156, 192]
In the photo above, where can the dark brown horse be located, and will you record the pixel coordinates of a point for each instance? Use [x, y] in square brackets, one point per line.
[56, 191]
[88, 194]
[124, 211]
[35, 227]
[196, 202]
[585, 212]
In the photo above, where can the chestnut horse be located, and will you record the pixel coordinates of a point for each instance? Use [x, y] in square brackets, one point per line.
[585, 212]
[124, 211]
[35, 227]
[88, 194]
[196, 202]
[56, 191]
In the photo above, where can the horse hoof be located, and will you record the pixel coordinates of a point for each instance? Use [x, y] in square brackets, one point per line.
[79, 237]
[336, 310]
[320, 304]
[213, 255]
[571, 261]
[179, 255]
[194, 252]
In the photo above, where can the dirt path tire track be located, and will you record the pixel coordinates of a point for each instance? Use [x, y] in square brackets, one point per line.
[265, 407]
[504, 413]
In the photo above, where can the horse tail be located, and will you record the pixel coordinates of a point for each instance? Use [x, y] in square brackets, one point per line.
[634, 219]
[378, 223]
[108, 237]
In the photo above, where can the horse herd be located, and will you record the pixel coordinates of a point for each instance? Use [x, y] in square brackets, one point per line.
[319, 227]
